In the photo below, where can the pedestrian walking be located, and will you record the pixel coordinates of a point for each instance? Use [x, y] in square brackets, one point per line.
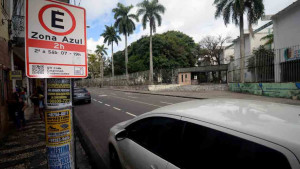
[19, 111]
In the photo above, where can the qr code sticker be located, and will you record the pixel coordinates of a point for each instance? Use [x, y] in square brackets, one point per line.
[38, 69]
[78, 71]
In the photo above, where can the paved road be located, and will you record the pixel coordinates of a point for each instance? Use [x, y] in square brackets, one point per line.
[110, 107]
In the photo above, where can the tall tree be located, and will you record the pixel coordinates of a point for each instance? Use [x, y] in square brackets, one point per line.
[211, 51]
[93, 65]
[101, 51]
[125, 25]
[110, 37]
[151, 12]
[234, 10]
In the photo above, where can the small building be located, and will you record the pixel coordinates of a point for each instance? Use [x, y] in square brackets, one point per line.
[184, 78]
[287, 43]
[202, 74]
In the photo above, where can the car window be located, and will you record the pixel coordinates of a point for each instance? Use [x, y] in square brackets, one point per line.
[159, 135]
[79, 90]
[139, 130]
[203, 147]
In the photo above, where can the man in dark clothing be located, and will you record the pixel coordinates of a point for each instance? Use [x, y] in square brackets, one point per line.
[19, 111]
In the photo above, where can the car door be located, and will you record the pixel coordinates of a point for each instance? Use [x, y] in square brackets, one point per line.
[148, 142]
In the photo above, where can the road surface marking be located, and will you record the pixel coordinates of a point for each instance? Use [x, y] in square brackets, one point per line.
[130, 114]
[167, 103]
[137, 101]
[103, 95]
[132, 97]
[99, 102]
[116, 108]
[95, 100]
[107, 105]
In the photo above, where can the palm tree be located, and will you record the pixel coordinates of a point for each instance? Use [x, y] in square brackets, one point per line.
[151, 12]
[110, 37]
[234, 10]
[125, 25]
[101, 51]
[269, 38]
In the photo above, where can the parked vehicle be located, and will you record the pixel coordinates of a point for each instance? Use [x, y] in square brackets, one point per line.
[81, 95]
[210, 134]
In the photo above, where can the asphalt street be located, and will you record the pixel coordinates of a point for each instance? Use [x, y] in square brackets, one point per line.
[110, 107]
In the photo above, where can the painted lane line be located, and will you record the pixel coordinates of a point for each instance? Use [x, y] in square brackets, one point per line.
[134, 97]
[116, 108]
[103, 95]
[130, 114]
[99, 101]
[95, 100]
[167, 103]
[107, 105]
[138, 101]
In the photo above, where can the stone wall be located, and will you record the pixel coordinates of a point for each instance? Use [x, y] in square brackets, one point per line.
[282, 90]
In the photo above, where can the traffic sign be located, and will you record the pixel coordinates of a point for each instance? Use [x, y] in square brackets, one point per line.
[55, 40]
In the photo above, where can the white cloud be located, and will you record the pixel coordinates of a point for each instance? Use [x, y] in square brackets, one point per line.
[92, 43]
[192, 17]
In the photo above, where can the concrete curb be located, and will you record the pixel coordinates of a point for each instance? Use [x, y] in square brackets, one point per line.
[187, 97]
[94, 158]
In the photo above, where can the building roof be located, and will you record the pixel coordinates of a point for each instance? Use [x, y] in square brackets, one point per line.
[277, 123]
[287, 9]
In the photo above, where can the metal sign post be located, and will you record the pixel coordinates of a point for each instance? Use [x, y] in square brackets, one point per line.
[56, 50]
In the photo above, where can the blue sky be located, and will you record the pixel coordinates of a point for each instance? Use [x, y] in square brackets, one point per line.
[193, 17]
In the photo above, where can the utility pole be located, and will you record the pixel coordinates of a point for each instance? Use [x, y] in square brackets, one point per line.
[59, 83]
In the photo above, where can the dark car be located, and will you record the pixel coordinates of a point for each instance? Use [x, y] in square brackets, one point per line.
[81, 95]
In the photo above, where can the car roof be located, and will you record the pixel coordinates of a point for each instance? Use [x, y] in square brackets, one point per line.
[275, 122]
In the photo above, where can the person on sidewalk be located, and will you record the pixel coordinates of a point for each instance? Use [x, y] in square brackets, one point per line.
[19, 112]
[35, 100]
[41, 106]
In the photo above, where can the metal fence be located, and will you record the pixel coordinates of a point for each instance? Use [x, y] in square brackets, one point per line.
[280, 65]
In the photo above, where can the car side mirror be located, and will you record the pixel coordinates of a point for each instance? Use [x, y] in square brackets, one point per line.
[121, 135]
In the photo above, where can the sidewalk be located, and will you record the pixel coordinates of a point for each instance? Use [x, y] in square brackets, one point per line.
[216, 94]
[26, 149]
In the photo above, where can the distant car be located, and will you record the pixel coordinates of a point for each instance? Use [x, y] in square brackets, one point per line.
[81, 95]
[209, 134]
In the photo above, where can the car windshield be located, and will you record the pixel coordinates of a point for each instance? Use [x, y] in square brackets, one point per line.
[80, 91]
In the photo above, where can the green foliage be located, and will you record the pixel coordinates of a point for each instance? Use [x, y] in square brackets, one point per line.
[234, 9]
[101, 51]
[151, 12]
[124, 20]
[94, 66]
[110, 35]
[269, 38]
[119, 63]
[171, 50]
[263, 62]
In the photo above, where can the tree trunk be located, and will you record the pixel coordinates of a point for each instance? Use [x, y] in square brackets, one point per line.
[112, 60]
[126, 58]
[151, 59]
[242, 49]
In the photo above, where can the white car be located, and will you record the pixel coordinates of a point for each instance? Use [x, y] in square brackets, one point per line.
[210, 134]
